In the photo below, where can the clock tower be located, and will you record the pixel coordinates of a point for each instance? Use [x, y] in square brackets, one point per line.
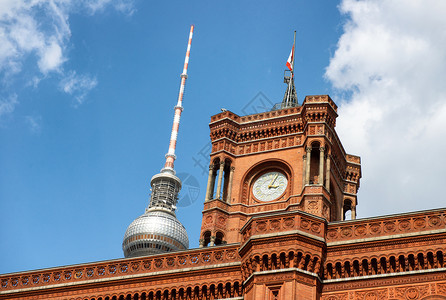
[284, 160]
[276, 179]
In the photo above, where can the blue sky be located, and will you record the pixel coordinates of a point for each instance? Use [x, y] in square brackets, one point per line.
[88, 89]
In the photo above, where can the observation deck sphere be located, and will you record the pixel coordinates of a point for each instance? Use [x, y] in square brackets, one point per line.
[154, 232]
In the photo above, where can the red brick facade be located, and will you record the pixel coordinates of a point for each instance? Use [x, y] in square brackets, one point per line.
[296, 246]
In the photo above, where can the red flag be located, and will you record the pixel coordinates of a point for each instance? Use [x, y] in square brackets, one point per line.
[289, 62]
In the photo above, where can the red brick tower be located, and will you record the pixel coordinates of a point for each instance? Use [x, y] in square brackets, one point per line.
[270, 173]
[278, 161]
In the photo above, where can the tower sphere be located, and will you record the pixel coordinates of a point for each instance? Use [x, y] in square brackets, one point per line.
[156, 231]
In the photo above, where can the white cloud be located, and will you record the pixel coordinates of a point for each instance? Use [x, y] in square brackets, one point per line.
[391, 63]
[51, 58]
[123, 6]
[24, 31]
[78, 85]
[34, 123]
[7, 105]
[40, 30]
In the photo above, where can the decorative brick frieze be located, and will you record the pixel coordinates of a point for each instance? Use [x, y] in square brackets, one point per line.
[146, 266]
[392, 225]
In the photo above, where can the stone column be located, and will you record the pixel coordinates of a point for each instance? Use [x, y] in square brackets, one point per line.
[208, 188]
[317, 267]
[220, 179]
[310, 266]
[307, 172]
[321, 165]
[301, 263]
[212, 242]
[353, 212]
[231, 175]
[304, 167]
[327, 174]
[201, 243]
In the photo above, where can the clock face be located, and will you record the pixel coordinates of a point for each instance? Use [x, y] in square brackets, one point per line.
[269, 186]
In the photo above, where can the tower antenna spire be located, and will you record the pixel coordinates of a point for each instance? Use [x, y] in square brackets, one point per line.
[170, 156]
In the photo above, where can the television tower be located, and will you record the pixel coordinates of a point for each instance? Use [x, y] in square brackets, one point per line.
[158, 230]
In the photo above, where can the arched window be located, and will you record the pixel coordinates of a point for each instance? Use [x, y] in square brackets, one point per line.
[264, 263]
[383, 265]
[365, 267]
[274, 262]
[374, 266]
[440, 259]
[237, 289]
[402, 264]
[215, 172]
[206, 238]
[348, 269]
[314, 163]
[393, 261]
[283, 261]
[411, 262]
[347, 209]
[219, 238]
[329, 271]
[430, 260]
[226, 185]
[356, 271]
[228, 291]
[338, 270]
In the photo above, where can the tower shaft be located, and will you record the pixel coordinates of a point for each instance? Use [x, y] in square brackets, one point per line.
[170, 156]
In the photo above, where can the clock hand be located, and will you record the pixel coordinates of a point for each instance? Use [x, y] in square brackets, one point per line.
[272, 181]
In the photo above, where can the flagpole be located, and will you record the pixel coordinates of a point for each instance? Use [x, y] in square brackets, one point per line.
[294, 52]
[292, 71]
[287, 100]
